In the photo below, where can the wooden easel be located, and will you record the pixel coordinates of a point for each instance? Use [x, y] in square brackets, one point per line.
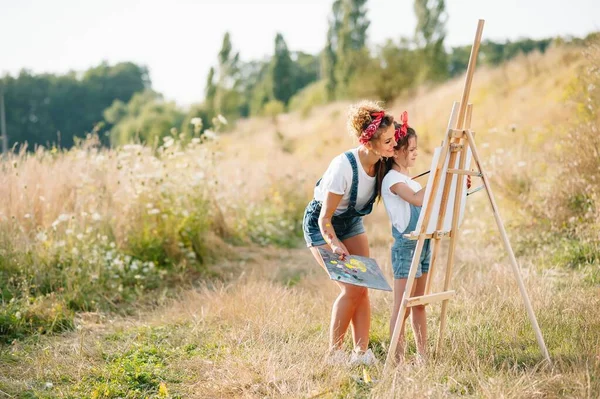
[459, 139]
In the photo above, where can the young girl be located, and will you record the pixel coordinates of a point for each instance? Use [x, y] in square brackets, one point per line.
[333, 220]
[403, 198]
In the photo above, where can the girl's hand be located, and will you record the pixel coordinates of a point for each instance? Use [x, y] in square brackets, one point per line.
[340, 250]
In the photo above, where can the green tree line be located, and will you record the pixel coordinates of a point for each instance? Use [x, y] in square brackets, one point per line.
[49, 109]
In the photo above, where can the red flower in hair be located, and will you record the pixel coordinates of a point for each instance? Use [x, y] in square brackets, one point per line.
[402, 131]
[368, 133]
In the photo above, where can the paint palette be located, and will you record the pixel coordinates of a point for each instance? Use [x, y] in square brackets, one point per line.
[356, 270]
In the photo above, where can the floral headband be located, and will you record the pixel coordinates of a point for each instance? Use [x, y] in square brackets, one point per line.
[368, 133]
[402, 130]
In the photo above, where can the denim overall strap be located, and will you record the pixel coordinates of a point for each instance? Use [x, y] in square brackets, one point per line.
[412, 224]
[354, 188]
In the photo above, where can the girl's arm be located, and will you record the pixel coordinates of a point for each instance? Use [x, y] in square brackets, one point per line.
[416, 198]
[327, 209]
[407, 194]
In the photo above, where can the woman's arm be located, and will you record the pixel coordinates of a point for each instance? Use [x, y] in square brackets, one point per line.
[327, 209]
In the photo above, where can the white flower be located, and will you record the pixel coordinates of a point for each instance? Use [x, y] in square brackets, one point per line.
[42, 198]
[61, 243]
[79, 236]
[63, 217]
[210, 134]
[521, 164]
[168, 141]
[68, 232]
[27, 216]
[75, 251]
[96, 216]
[222, 119]
[55, 224]
[196, 121]
[18, 315]
[41, 236]
[153, 211]
[195, 140]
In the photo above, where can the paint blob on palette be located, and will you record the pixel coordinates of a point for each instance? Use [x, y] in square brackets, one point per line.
[356, 270]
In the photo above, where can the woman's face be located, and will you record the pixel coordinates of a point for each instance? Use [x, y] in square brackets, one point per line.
[407, 156]
[384, 145]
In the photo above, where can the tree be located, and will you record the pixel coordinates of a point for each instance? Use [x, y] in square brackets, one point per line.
[282, 69]
[351, 40]
[328, 56]
[49, 109]
[226, 100]
[210, 90]
[430, 33]
[145, 118]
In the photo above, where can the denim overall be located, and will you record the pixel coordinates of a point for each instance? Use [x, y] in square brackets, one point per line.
[346, 224]
[403, 248]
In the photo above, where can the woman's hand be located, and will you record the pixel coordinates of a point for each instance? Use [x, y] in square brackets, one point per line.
[341, 250]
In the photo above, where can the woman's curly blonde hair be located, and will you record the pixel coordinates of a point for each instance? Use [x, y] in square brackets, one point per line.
[359, 118]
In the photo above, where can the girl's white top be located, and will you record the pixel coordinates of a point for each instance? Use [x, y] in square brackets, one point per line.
[338, 180]
[397, 209]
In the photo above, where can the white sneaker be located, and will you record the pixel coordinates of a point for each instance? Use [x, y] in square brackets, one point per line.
[363, 358]
[337, 357]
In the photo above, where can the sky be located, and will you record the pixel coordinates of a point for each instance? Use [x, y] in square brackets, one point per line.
[178, 40]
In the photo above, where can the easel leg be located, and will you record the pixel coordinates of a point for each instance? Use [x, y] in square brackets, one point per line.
[391, 356]
[455, 230]
[507, 246]
[435, 250]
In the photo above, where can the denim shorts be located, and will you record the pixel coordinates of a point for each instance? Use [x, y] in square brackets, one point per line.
[344, 228]
[402, 256]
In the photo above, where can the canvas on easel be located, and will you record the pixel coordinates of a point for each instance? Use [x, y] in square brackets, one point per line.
[443, 209]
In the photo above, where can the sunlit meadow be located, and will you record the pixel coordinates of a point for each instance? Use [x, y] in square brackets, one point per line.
[178, 270]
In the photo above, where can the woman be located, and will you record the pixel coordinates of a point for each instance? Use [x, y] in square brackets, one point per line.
[333, 220]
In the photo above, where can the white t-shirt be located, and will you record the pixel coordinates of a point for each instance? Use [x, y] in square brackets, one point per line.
[397, 209]
[338, 180]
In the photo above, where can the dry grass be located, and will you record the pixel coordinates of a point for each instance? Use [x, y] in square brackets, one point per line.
[261, 331]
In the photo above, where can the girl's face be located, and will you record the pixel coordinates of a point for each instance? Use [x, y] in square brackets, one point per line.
[407, 156]
[384, 145]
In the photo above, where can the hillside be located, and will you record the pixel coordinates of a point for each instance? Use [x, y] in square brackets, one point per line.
[253, 321]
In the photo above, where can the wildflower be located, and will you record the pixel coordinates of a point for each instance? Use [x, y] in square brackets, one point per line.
[209, 134]
[222, 119]
[63, 217]
[168, 141]
[41, 236]
[153, 211]
[96, 216]
[69, 232]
